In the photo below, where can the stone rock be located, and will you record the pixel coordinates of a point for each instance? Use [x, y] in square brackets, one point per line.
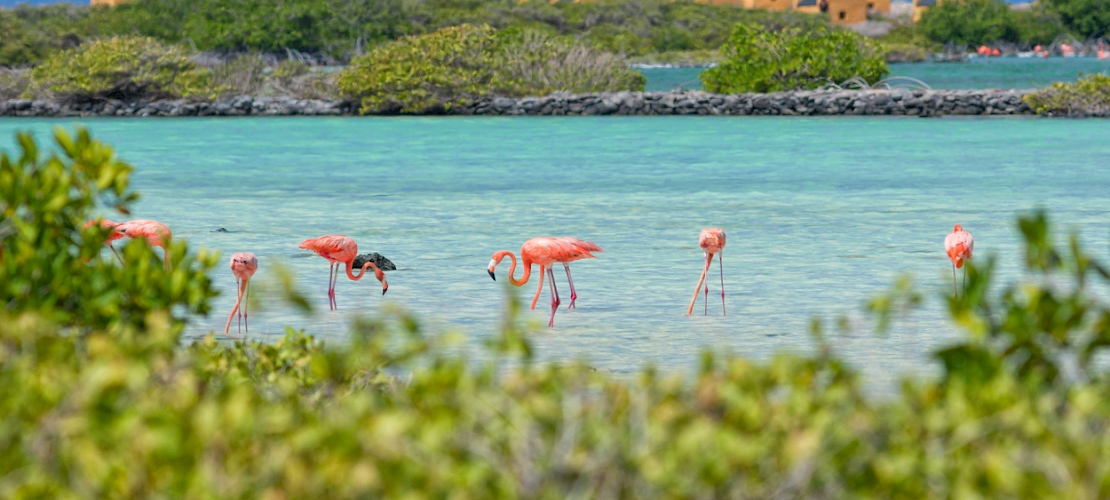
[383, 263]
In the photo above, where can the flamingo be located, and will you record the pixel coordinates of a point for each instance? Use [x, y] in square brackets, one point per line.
[243, 266]
[712, 241]
[958, 245]
[155, 233]
[545, 251]
[113, 234]
[339, 249]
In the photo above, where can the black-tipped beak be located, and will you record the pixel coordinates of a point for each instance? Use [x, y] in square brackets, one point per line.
[491, 275]
[384, 290]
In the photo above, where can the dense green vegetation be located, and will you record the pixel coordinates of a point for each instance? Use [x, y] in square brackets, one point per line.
[976, 22]
[101, 399]
[1087, 95]
[451, 66]
[761, 60]
[345, 28]
[123, 68]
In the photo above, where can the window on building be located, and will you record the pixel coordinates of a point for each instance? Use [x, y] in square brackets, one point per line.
[843, 14]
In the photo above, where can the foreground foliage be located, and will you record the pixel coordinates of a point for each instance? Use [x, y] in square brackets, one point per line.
[451, 66]
[760, 60]
[1087, 95]
[102, 401]
[125, 67]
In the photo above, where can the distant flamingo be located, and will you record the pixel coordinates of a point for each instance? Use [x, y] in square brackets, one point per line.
[112, 236]
[546, 251]
[1103, 54]
[958, 245]
[243, 266]
[712, 241]
[155, 233]
[339, 249]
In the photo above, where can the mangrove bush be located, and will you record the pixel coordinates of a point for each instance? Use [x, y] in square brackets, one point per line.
[123, 67]
[455, 65]
[756, 59]
[102, 400]
[1088, 95]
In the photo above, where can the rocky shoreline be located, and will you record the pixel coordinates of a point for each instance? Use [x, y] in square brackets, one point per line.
[798, 103]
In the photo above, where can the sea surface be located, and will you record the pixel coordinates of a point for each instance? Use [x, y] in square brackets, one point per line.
[991, 73]
[821, 214]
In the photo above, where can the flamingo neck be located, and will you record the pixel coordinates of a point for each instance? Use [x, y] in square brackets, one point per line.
[512, 270]
[377, 272]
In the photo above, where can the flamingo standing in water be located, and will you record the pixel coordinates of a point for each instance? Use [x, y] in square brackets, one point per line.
[546, 251]
[243, 266]
[339, 249]
[712, 241]
[958, 245]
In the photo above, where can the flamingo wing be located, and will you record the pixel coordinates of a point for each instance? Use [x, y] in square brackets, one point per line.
[331, 247]
[568, 248]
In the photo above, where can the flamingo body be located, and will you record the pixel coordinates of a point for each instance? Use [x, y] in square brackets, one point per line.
[545, 251]
[958, 245]
[712, 242]
[243, 265]
[341, 250]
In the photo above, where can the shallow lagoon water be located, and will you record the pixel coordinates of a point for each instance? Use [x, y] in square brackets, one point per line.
[979, 73]
[821, 214]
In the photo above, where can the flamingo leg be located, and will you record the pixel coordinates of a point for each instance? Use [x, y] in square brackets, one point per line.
[113, 249]
[246, 306]
[335, 283]
[573, 294]
[955, 291]
[166, 252]
[554, 298]
[697, 289]
[965, 281]
[331, 287]
[239, 302]
[721, 264]
[538, 290]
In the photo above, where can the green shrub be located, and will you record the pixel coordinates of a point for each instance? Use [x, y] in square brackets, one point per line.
[759, 60]
[1087, 95]
[1087, 18]
[249, 74]
[969, 22]
[123, 68]
[455, 65]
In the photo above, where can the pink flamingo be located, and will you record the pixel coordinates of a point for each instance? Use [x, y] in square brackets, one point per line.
[1102, 53]
[546, 251]
[113, 235]
[155, 233]
[339, 249]
[712, 241]
[958, 245]
[243, 266]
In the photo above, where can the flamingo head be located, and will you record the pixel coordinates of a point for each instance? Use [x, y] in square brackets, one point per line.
[493, 262]
[957, 229]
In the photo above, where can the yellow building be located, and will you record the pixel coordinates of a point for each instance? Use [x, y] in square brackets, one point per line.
[840, 11]
[920, 6]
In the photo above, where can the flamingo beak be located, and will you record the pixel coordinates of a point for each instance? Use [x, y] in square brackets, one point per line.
[491, 275]
[385, 289]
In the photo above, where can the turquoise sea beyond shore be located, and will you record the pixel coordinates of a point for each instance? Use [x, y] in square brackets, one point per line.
[821, 214]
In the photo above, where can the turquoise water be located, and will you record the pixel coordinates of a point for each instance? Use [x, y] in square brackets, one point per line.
[821, 214]
[994, 73]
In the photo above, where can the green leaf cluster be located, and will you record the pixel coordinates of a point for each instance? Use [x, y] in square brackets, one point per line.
[101, 400]
[977, 22]
[1086, 18]
[123, 67]
[756, 59]
[455, 65]
[1087, 95]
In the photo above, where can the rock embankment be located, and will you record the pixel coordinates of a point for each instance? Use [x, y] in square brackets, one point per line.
[798, 103]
